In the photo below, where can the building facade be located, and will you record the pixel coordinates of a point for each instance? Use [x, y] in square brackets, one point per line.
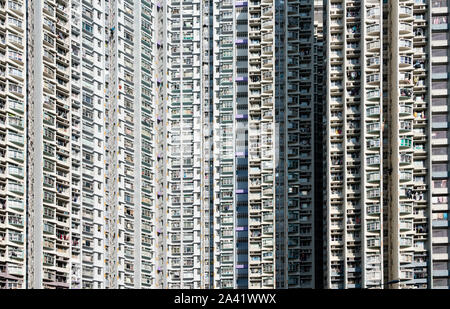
[354, 148]
[244, 160]
[13, 163]
[168, 144]
[224, 144]
[438, 264]
[386, 214]
[65, 150]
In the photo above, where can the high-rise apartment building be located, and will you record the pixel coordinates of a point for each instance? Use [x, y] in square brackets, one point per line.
[386, 212]
[224, 144]
[184, 208]
[354, 147]
[65, 144]
[159, 144]
[130, 234]
[13, 162]
[297, 69]
[157, 181]
[244, 156]
[265, 64]
[438, 265]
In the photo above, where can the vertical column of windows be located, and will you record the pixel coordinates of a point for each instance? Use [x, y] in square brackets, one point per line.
[261, 124]
[56, 171]
[439, 146]
[336, 131]
[12, 145]
[224, 179]
[298, 162]
[148, 153]
[370, 234]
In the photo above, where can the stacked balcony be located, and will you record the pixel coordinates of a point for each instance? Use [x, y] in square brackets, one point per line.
[224, 141]
[412, 127]
[12, 145]
[372, 89]
[299, 148]
[438, 105]
[184, 192]
[57, 146]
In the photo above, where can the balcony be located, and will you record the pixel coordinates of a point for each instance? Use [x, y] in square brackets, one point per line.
[406, 126]
[373, 29]
[405, 110]
[406, 241]
[373, 46]
[405, 28]
[373, 62]
[373, 111]
[405, 93]
[373, 210]
[373, 13]
[373, 78]
[406, 225]
[405, 143]
[373, 127]
[405, 12]
[404, 44]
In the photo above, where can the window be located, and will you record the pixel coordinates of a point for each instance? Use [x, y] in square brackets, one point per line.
[128, 198]
[442, 68]
[146, 38]
[438, 20]
[439, 134]
[440, 151]
[440, 249]
[48, 165]
[48, 181]
[87, 27]
[439, 52]
[49, 197]
[128, 36]
[439, 200]
[440, 232]
[440, 167]
[442, 101]
[440, 183]
[439, 118]
[87, 99]
[146, 25]
[439, 85]
[439, 3]
[437, 36]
